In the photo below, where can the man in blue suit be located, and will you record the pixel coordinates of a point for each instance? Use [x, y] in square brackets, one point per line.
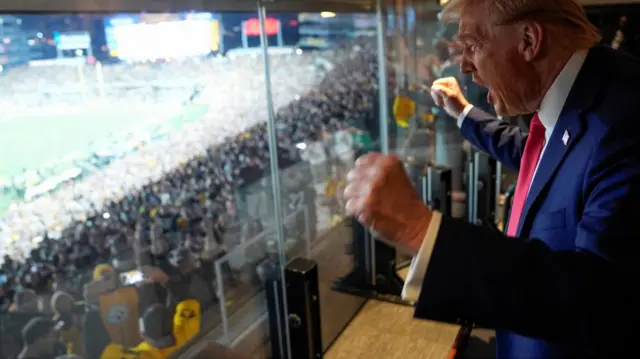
[566, 285]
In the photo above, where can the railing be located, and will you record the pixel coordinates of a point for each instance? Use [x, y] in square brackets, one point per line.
[252, 253]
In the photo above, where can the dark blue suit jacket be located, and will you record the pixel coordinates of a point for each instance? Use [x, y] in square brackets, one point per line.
[569, 291]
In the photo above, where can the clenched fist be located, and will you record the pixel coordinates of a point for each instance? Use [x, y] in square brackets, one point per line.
[381, 196]
[447, 95]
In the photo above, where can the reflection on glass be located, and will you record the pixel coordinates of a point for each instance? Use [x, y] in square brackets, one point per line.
[136, 203]
[423, 49]
[323, 130]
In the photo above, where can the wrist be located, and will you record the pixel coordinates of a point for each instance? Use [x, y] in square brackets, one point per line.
[462, 105]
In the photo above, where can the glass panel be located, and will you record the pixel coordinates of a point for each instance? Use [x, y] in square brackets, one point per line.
[421, 50]
[135, 197]
[325, 114]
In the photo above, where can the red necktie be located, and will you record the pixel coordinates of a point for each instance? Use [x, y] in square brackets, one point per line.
[528, 164]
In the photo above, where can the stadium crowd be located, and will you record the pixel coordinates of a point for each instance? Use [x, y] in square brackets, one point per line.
[139, 238]
[124, 84]
[234, 107]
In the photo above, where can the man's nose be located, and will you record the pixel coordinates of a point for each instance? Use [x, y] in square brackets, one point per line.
[467, 66]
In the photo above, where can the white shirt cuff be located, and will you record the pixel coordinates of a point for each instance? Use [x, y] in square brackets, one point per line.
[419, 264]
[464, 114]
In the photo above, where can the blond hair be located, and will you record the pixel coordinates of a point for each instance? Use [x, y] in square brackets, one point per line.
[565, 21]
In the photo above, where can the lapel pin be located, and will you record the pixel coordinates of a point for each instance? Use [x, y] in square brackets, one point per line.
[565, 137]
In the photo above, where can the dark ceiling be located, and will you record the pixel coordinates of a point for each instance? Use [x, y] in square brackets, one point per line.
[17, 6]
[86, 6]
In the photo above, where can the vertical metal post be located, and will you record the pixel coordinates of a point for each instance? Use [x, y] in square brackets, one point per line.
[222, 300]
[307, 230]
[430, 202]
[280, 315]
[275, 173]
[498, 191]
[221, 35]
[280, 38]
[370, 260]
[424, 183]
[384, 103]
[471, 191]
[382, 78]
[411, 34]
[476, 182]
[245, 40]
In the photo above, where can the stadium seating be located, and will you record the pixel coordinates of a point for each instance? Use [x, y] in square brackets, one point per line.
[171, 205]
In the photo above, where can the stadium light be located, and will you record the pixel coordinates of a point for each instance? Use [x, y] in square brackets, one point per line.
[327, 14]
[301, 146]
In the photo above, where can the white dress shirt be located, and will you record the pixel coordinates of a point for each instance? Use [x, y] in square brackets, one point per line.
[549, 112]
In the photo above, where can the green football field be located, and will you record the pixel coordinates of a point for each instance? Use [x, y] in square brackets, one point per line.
[32, 142]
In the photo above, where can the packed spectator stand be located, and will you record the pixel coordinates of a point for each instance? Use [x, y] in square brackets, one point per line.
[167, 211]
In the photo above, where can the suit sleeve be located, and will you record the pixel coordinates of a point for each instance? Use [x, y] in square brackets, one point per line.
[579, 298]
[586, 297]
[502, 141]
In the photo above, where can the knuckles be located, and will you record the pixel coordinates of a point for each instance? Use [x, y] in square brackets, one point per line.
[372, 180]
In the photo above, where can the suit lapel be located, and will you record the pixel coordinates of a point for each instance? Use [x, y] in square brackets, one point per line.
[569, 127]
[582, 96]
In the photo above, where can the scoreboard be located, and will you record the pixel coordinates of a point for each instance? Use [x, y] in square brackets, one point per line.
[320, 30]
[150, 37]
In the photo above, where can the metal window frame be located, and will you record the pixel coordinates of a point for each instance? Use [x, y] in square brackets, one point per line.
[106, 6]
[102, 6]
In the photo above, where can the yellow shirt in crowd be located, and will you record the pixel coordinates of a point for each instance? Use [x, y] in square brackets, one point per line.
[186, 325]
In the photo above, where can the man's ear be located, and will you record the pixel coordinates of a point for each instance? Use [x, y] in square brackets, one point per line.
[531, 41]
